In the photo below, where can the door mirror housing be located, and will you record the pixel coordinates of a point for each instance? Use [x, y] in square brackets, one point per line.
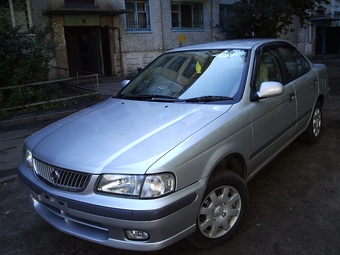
[268, 89]
[124, 83]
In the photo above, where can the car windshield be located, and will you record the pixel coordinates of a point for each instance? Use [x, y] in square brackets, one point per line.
[205, 75]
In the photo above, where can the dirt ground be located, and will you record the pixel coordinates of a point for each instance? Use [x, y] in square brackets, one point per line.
[294, 208]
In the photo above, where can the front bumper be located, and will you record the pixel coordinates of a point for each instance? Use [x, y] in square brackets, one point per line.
[166, 220]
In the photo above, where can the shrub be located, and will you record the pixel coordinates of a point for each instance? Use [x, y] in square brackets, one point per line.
[24, 55]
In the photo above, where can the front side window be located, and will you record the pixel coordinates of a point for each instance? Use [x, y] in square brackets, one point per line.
[187, 16]
[191, 75]
[267, 68]
[138, 20]
[19, 12]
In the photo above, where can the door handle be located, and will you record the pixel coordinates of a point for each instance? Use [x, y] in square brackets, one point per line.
[291, 97]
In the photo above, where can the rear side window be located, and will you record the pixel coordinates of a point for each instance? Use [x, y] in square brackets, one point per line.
[296, 64]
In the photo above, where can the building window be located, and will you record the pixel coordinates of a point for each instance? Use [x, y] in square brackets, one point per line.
[19, 12]
[336, 23]
[139, 19]
[187, 15]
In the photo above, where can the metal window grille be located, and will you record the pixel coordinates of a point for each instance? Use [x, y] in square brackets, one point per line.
[19, 12]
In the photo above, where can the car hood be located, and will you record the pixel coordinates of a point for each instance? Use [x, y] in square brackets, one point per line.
[121, 136]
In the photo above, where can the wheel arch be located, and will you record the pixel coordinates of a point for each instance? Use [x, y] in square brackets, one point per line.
[321, 100]
[234, 162]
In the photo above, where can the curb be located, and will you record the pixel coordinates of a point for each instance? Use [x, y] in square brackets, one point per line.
[8, 178]
[42, 117]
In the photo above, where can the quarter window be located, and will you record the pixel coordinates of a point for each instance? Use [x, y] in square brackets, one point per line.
[187, 15]
[138, 20]
[19, 12]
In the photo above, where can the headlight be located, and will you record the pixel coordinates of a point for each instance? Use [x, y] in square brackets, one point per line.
[28, 158]
[158, 185]
[121, 184]
[144, 186]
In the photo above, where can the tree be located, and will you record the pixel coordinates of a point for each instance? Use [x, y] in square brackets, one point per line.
[267, 18]
[24, 55]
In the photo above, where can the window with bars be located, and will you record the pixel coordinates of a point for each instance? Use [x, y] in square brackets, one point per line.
[19, 12]
[139, 19]
[187, 15]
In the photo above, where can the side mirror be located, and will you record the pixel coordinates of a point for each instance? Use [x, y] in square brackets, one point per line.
[270, 89]
[124, 83]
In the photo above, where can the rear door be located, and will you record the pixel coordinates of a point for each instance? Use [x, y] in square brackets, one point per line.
[304, 78]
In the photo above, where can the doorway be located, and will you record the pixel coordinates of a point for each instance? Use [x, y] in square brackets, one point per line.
[84, 50]
[327, 40]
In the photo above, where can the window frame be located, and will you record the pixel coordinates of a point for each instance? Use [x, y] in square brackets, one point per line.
[177, 16]
[138, 24]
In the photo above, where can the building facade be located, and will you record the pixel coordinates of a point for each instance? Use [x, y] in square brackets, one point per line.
[120, 37]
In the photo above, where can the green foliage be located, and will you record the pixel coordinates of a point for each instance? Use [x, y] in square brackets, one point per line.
[267, 18]
[24, 55]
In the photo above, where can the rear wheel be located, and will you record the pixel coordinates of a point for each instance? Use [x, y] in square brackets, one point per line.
[222, 209]
[313, 131]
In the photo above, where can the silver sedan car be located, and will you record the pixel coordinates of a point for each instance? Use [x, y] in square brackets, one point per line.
[169, 156]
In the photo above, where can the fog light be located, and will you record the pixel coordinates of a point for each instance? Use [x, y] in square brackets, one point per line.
[137, 235]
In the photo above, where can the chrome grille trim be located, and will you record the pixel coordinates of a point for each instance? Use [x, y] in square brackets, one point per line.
[59, 178]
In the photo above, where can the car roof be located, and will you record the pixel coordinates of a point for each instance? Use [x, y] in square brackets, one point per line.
[234, 44]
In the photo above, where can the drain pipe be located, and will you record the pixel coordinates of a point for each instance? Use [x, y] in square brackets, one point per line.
[120, 48]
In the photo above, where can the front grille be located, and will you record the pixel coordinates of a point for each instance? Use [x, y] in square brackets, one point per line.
[61, 178]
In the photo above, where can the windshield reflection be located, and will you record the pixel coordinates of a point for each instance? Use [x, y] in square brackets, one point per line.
[191, 74]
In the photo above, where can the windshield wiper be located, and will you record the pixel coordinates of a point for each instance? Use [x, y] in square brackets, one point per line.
[163, 98]
[160, 98]
[208, 99]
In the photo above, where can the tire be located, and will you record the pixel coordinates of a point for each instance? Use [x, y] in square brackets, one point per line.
[312, 134]
[222, 209]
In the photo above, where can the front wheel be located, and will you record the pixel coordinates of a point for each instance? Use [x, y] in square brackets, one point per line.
[222, 209]
[312, 134]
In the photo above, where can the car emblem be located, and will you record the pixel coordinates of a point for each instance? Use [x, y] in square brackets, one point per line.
[55, 175]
